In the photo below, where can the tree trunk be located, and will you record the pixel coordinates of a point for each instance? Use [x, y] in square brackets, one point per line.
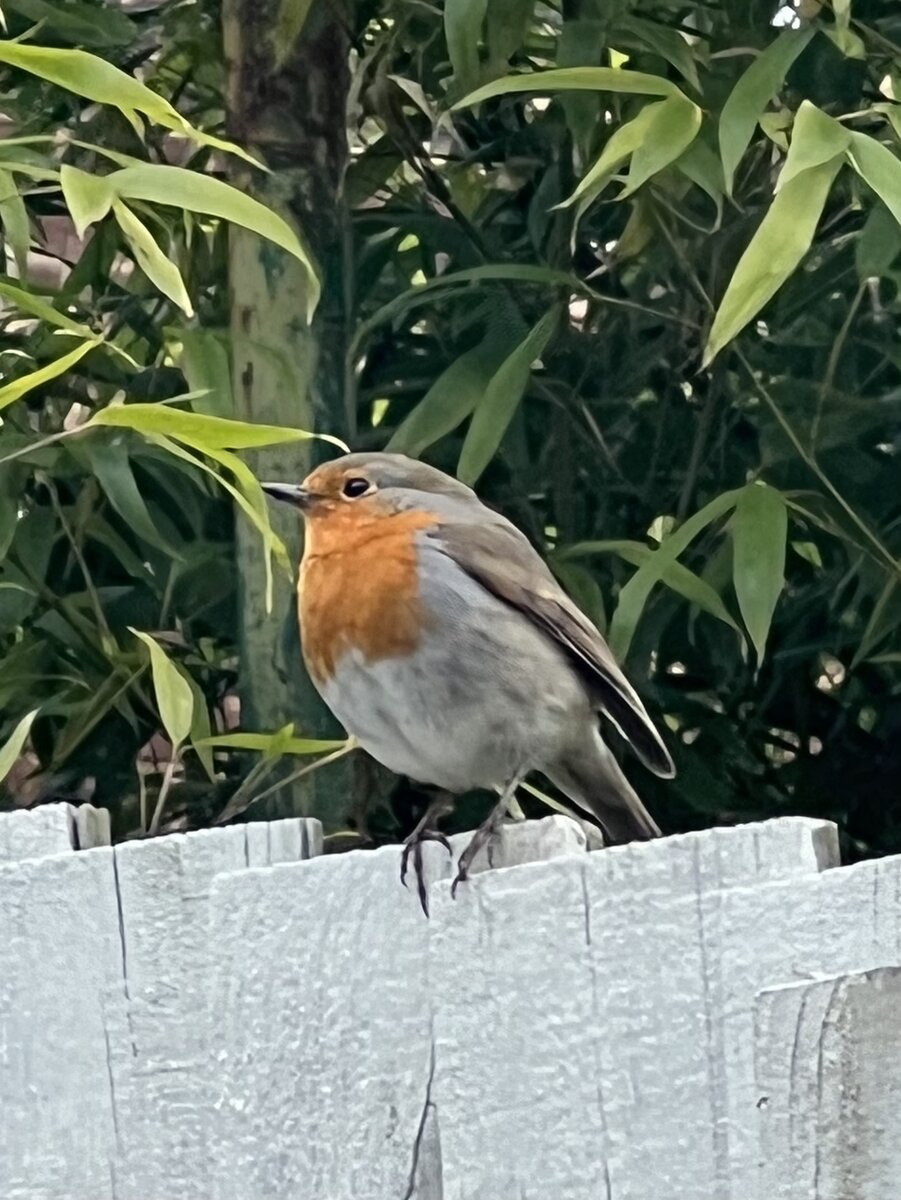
[287, 101]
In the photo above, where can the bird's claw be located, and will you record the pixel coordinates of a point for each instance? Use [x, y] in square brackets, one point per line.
[413, 845]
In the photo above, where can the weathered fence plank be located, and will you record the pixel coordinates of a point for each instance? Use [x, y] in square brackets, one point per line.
[322, 990]
[60, 971]
[840, 1140]
[574, 1031]
[51, 829]
[161, 1077]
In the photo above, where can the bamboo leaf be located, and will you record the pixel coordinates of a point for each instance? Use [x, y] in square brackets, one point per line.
[501, 399]
[204, 433]
[572, 79]
[14, 218]
[15, 743]
[88, 197]
[110, 464]
[879, 168]
[265, 742]
[759, 532]
[96, 79]
[673, 128]
[782, 239]
[816, 139]
[36, 306]
[455, 393]
[21, 387]
[289, 22]
[174, 697]
[158, 183]
[753, 92]
[635, 594]
[463, 21]
[623, 142]
[159, 269]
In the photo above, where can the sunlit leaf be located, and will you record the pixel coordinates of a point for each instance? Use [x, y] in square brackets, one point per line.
[264, 743]
[816, 139]
[52, 370]
[174, 697]
[98, 80]
[577, 79]
[674, 126]
[783, 238]
[753, 92]
[162, 184]
[36, 306]
[199, 430]
[158, 267]
[14, 744]
[759, 530]
[88, 197]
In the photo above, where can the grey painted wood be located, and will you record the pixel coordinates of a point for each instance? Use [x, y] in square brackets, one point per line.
[575, 1018]
[161, 1075]
[51, 829]
[829, 1084]
[60, 997]
[324, 1057]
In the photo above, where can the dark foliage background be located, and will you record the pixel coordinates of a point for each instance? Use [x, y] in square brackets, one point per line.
[558, 361]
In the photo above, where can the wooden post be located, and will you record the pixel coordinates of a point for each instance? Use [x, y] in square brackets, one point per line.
[287, 96]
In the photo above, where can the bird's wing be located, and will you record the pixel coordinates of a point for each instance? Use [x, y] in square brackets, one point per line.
[503, 561]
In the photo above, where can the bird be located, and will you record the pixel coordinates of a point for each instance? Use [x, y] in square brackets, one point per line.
[440, 639]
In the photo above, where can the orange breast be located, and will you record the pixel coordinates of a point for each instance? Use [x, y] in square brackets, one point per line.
[359, 586]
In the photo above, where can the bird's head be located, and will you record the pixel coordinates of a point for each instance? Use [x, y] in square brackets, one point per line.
[374, 484]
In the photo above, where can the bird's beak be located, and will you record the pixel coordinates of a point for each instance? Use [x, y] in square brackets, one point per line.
[289, 493]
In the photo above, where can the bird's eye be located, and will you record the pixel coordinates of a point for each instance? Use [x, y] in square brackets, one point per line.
[355, 487]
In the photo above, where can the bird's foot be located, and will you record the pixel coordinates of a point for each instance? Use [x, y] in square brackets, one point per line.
[486, 834]
[424, 832]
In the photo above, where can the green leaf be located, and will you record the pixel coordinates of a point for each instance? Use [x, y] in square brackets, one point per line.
[673, 128]
[501, 399]
[666, 42]
[879, 243]
[83, 24]
[159, 269]
[759, 531]
[88, 197]
[14, 744]
[204, 356]
[699, 164]
[36, 306]
[174, 697]
[879, 168]
[98, 80]
[675, 576]
[157, 183]
[21, 387]
[572, 79]
[110, 464]
[201, 727]
[14, 218]
[508, 23]
[782, 239]
[289, 22]
[753, 92]
[205, 433]
[264, 743]
[623, 142]
[463, 21]
[634, 595]
[816, 139]
[455, 392]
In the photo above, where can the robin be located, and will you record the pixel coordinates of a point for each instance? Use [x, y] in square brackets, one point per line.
[441, 641]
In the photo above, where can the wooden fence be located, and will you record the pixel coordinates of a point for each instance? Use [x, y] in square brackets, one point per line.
[227, 1015]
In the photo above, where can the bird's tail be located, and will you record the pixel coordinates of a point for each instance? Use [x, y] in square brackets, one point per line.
[595, 781]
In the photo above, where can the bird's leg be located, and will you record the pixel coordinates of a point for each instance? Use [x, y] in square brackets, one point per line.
[425, 831]
[485, 833]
